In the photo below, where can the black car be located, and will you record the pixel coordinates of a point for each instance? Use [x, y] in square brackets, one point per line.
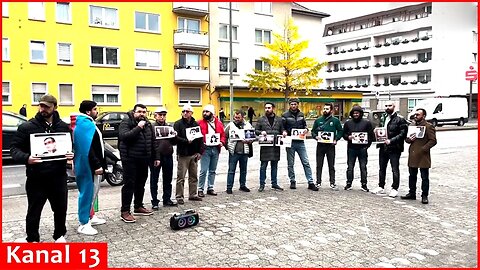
[10, 123]
[108, 123]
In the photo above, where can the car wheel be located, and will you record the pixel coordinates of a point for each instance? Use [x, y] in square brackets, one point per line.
[461, 122]
[115, 178]
[434, 122]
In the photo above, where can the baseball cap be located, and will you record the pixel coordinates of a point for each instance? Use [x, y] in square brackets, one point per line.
[187, 107]
[160, 109]
[48, 100]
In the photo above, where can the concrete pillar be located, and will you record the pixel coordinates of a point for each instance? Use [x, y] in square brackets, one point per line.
[373, 103]
[403, 107]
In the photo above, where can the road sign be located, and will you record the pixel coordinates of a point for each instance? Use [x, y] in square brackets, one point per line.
[471, 75]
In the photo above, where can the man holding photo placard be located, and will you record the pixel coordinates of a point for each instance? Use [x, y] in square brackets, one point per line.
[46, 180]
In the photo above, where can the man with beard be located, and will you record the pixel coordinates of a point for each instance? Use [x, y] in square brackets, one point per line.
[135, 136]
[238, 152]
[46, 180]
[272, 125]
[357, 150]
[89, 164]
[294, 119]
[419, 156]
[327, 123]
[163, 161]
[391, 149]
[208, 164]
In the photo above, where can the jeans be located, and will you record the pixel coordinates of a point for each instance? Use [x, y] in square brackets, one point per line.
[299, 147]
[352, 155]
[383, 158]
[273, 171]
[242, 159]
[135, 173]
[412, 180]
[324, 149]
[166, 165]
[208, 163]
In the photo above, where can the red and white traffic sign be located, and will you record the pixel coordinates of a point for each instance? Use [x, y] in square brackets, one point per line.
[471, 75]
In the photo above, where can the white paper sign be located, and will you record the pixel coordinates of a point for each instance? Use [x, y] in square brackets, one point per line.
[325, 137]
[212, 139]
[359, 137]
[299, 134]
[268, 140]
[418, 130]
[284, 142]
[50, 146]
[193, 133]
[236, 135]
[164, 132]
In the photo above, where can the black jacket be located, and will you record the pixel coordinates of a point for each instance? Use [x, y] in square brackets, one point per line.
[397, 132]
[135, 142]
[96, 156]
[20, 146]
[363, 125]
[293, 120]
[184, 148]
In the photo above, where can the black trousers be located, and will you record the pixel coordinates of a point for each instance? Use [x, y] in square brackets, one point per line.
[394, 158]
[325, 149]
[166, 165]
[135, 172]
[412, 180]
[41, 188]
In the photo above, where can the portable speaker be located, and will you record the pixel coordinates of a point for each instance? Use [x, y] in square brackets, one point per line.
[181, 221]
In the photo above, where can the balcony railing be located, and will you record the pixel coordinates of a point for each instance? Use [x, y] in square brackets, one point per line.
[185, 74]
[190, 39]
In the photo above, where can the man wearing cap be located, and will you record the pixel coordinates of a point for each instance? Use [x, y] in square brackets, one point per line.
[163, 160]
[188, 154]
[135, 137]
[270, 124]
[294, 119]
[46, 180]
[89, 163]
[208, 164]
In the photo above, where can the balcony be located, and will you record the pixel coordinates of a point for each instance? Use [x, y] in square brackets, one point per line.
[193, 75]
[187, 39]
[402, 68]
[191, 8]
[411, 45]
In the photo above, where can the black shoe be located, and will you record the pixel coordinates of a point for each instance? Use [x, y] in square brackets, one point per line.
[424, 199]
[348, 186]
[201, 194]
[211, 192]
[169, 203]
[245, 188]
[261, 188]
[277, 187]
[293, 185]
[312, 186]
[365, 188]
[180, 201]
[229, 191]
[409, 196]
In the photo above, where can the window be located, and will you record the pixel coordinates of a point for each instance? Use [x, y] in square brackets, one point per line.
[395, 60]
[364, 80]
[424, 57]
[4, 9]
[106, 94]
[147, 22]
[362, 63]
[395, 80]
[337, 83]
[438, 109]
[103, 17]
[189, 25]
[263, 36]
[65, 94]
[36, 11]
[386, 61]
[37, 52]
[147, 59]
[64, 12]
[6, 92]
[38, 90]
[224, 63]
[393, 39]
[65, 53]
[412, 102]
[263, 7]
[5, 49]
[149, 95]
[187, 60]
[104, 56]
[224, 32]
[362, 44]
[428, 9]
[262, 65]
[424, 76]
[189, 95]
[425, 33]
[227, 5]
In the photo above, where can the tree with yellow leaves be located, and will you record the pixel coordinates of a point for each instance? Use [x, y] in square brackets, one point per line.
[289, 71]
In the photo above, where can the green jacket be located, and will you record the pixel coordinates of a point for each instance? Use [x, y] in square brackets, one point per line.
[329, 124]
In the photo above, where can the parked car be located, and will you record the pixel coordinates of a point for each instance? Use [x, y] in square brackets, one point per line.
[108, 123]
[373, 116]
[10, 123]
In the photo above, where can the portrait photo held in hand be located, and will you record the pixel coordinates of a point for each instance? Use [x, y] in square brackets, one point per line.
[236, 135]
[50, 146]
[299, 134]
[193, 133]
[325, 137]
[380, 134]
[164, 132]
[212, 139]
[249, 134]
[284, 142]
[266, 140]
[419, 131]
[359, 138]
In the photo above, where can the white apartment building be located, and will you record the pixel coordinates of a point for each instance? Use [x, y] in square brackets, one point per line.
[404, 54]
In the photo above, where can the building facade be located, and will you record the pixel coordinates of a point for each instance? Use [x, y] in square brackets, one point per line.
[404, 54]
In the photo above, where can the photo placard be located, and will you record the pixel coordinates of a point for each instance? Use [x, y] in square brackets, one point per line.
[419, 131]
[50, 146]
[380, 134]
[267, 140]
[299, 134]
[284, 142]
[164, 132]
[193, 133]
[326, 137]
[212, 139]
[360, 138]
[249, 134]
[236, 135]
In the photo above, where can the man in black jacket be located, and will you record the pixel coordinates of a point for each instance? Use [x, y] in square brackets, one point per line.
[358, 132]
[46, 180]
[135, 136]
[188, 154]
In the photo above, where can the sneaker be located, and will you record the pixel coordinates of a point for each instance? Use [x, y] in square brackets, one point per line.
[61, 239]
[195, 198]
[293, 185]
[169, 203]
[142, 211]
[333, 186]
[155, 207]
[348, 187]
[424, 199]
[393, 193]
[365, 188]
[277, 187]
[211, 192]
[409, 196]
[319, 184]
[180, 201]
[87, 229]
[97, 221]
[312, 186]
[201, 194]
[244, 188]
[378, 190]
[127, 217]
[261, 188]
[229, 191]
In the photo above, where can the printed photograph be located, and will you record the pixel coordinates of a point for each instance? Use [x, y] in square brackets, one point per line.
[193, 133]
[299, 134]
[418, 130]
[164, 132]
[267, 140]
[236, 135]
[249, 134]
[360, 138]
[380, 134]
[325, 137]
[212, 139]
[284, 141]
[50, 146]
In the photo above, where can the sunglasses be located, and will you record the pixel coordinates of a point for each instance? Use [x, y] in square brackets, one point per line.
[185, 111]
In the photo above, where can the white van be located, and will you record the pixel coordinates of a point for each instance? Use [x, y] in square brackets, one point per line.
[440, 111]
